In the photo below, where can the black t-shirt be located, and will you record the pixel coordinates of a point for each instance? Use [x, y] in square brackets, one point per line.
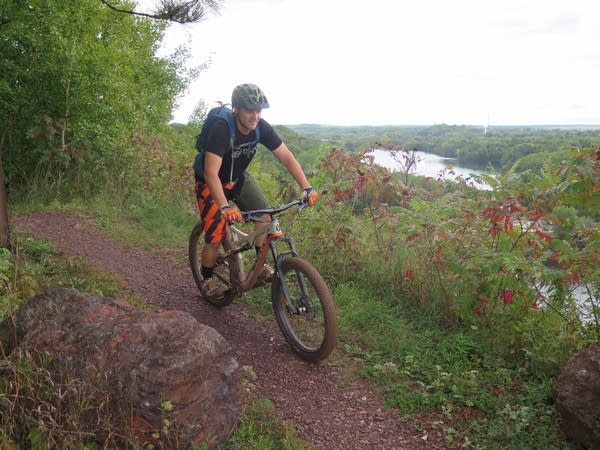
[244, 147]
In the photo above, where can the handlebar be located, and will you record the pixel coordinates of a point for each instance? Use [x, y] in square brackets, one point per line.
[254, 215]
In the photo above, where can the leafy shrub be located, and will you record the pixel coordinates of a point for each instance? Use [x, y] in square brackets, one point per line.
[496, 269]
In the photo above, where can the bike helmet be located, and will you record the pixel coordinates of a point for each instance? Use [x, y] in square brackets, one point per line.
[249, 96]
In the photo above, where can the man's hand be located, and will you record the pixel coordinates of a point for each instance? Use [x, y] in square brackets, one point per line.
[231, 214]
[309, 196]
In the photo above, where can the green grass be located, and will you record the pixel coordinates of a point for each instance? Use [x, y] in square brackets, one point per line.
[148, 224]
[36, 265]
[259, 429]
[258, 303]
[485, 401]
[132, 215]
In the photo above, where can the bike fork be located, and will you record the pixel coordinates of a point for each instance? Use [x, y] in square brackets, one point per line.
[304, 304]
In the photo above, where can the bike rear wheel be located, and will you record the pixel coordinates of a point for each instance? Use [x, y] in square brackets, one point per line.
[221, 270]
[307, 318]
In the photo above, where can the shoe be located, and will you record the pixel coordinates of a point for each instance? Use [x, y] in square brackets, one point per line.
[266, 274]
[212, 287]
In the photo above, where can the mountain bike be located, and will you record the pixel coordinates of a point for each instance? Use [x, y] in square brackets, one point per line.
[301, 300]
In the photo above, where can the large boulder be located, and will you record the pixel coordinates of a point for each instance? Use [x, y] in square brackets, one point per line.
[176, 377]
[577, 398]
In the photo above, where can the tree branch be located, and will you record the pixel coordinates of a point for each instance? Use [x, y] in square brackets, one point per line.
[180, 11]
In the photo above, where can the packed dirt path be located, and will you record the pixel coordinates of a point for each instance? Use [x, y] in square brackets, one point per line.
[320, 403]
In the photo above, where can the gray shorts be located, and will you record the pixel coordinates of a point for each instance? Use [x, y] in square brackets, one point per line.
[250, 196]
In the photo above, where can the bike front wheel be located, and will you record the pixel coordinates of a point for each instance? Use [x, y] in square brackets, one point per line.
[307, 317]
[221, 271]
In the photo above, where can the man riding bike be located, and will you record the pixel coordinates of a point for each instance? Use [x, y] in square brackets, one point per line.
[221, 175]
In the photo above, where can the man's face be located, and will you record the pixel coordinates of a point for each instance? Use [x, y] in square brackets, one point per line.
[248, 118]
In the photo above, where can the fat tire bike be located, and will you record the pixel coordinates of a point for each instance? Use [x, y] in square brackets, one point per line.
[301, 300]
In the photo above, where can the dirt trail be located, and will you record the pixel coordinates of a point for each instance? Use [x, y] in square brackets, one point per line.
[315, 400]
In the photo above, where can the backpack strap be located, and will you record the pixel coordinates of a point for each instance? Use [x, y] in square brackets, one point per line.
[257, 133]
[230, 118]
[228, 115]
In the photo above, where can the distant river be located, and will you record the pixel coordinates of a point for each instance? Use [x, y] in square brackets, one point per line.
[428, 165]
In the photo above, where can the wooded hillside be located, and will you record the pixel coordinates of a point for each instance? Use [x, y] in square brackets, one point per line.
[497, 146]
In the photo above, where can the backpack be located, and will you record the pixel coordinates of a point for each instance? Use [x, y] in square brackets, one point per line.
[219, 112]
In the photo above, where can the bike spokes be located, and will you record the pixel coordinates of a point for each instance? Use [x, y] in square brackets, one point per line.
[304, 318]
[305, 310]
[221, 271]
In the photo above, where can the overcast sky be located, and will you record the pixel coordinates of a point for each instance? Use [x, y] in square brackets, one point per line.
[382, 62]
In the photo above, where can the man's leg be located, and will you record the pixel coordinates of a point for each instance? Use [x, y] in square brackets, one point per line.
[214, 228]
[209, 256]
[251, 197]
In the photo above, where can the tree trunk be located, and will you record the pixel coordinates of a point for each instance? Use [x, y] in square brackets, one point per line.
[4, 237]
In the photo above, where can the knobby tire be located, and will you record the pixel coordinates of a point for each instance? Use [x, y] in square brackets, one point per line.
[221, 270]
[312, 334]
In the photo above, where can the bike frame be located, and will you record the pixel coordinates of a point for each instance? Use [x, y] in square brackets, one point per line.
[241, 241]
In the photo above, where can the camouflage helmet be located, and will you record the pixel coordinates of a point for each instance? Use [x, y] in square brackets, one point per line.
[249, 96]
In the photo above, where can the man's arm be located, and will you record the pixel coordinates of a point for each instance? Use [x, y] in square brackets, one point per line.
[212, 164]
[287, 158]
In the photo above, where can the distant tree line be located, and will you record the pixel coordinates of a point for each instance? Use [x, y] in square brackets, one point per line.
[499, 147]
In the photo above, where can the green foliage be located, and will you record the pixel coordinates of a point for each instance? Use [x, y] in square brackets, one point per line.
[35, 265]
[151, 187]
[485, 255]
[197, 117]
[22, 271]
[259, 429]
[459, 300]
[79, 80]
